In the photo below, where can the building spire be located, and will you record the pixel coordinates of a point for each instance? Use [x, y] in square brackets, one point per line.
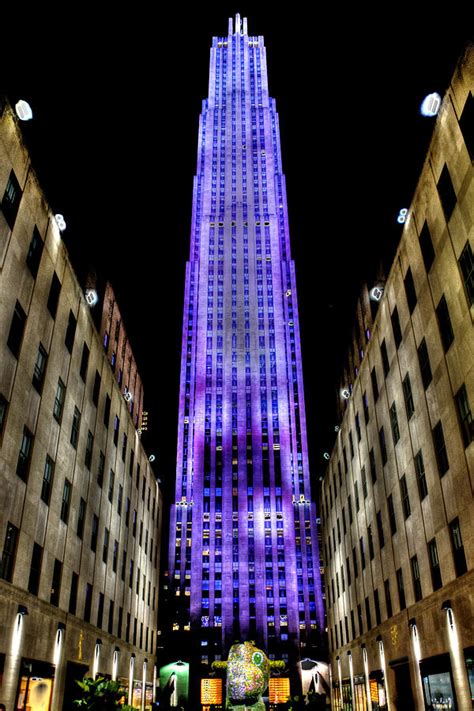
[244, 31]
[231, 29]
[237, 24]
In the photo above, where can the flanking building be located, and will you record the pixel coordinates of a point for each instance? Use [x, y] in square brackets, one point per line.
[80, 510]
[397, 496]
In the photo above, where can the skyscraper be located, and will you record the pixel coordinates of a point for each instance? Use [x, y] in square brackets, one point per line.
[244, 555]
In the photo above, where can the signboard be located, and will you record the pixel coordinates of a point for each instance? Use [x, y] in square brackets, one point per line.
[211, 691]
[278, 690]
[374, 690]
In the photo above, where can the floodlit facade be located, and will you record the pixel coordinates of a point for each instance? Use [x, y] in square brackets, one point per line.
[397, 501]
[243, 554]
[80, 511]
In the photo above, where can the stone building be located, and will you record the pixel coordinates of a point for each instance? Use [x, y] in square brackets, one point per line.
[397, 493]
[80, 510]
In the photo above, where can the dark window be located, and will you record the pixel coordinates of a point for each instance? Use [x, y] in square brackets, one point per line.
[397, 331]
[127, 511]
[440, 449]
[40, 368]
[405, 498]
[70, 332]
[130, 466]
[434, 565]
[401, 589]
[378, 618]
[96, 389]
[357, 424]
[367, 614]
[359, 618]
[415, 571]
[17, 327]
[134, 523]
[408, 396]
[89, 447]
[351, 444]
[94, 532]
[371, 543]
[35, 569]
[3, 412]
[354, 563]
[101, 469]
[426, 247]
[124, 446]
[466, 265]
[81, 517]
[446, 192]
[100, 610]
[394, 423]
[105, 549]
[73, 593]
[465, 416]
[391, 515]
[130, 578]
[66, 500]
[349, 506]
[348, 568]
[444, 323]
[11, 199]
[35, 250]
[88, 603]
[388, 597]
[84, 362]
[107, 411]
[466, 124]
[53, 298]
[410, 290]
[375, 387]
[356, 496]
[48, 474]
[119, 622]
[124, 564]
[115, 556]
[383, 446]
[373, 466]
[424, 361]
[76, 423]
[365, 402]
[380, 529]
[110, 493]
[120, 500]
[24, 455]
[116, 429]
[385, 361]
[362, 552]
[56, 583]
[110, 624]
[458, 548]
[59, 400]
[9, 553]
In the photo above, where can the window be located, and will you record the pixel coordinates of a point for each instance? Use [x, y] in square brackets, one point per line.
[3, 412]
[426, 247]
[378, 618]
[105, 549]
[35, 569]
[373, 466]
[380, 529]
[115, 556]
[385, 361]
[110, 493]
[101, 469]
[76, 423]
[120, 500]
[357, 426]
[84, 362]
[391, 515]
[53, 297]
[446, 192]
[388, 597]
[367, 614]
[458, 548]
[364, 482]
[35, 251]
[94, 532]
[397, 331]
[47, 479]
[420, 475]
[40, 368]
[383, 446]
[415, 571]
[107, 411]
[24, 456]
[362, 552]
[434, 565]
[405, 498]
[88, 603]
[354, 563]
[96, 388]
[56, 583]
[81, 517]
[124, 446]
[408, 396]
[394, 423]
[424, 361]
[66, 500]
[440, 449]
[466, 265]
[410, 290]
[116, 429]
[89, 447]
[100, 610]
[17, 327]
[11, 199]
[70, 332]
[371, 542]
[401, 589]
[9, 553]
[73, 593]
[444, 323]
[464, 414]
[375, 387]
[466, 124]
[59, 401]
[110, 624]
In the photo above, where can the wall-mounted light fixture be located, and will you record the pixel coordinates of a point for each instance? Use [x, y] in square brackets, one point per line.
[22, 610]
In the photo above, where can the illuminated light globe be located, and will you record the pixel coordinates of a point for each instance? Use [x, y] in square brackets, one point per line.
[376, 293]
[430, 105]
[23, 110]
[345, 394]
[151, 458]
[127, 395]
[327, 456]
[61, 222]
[402, 215]
[91, 297]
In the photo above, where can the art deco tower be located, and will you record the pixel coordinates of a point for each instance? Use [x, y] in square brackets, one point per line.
[243, 544]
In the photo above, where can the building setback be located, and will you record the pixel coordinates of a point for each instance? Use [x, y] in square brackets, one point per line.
[80, 511]
[397, 494]
[243, 552]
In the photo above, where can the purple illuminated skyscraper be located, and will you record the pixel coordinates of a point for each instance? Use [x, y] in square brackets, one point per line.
[244, 555]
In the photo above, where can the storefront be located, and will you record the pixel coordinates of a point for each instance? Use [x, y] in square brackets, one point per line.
[35, 687]
[360, 693]
[469, 659]
[378, 693]
[438, 687]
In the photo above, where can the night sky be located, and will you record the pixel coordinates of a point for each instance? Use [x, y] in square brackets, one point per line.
[116, 103]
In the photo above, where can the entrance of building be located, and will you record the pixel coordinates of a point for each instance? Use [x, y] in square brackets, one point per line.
[74, 672]
[35, 686]
[403, 692]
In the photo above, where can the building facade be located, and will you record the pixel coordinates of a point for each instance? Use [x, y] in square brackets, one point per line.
[243, 552]
[397, 494]
[80, 511]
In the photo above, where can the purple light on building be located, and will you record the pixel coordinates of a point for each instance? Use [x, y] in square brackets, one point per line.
[243, 543]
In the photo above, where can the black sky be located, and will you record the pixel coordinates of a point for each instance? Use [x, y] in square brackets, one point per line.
[116, 103]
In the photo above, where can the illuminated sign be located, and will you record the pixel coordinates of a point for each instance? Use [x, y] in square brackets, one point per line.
[211, 691]
[374, 690]
[279, 690]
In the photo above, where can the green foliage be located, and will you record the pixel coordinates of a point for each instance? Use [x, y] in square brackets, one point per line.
[277, 665]
[101, 695]
[219, 665]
